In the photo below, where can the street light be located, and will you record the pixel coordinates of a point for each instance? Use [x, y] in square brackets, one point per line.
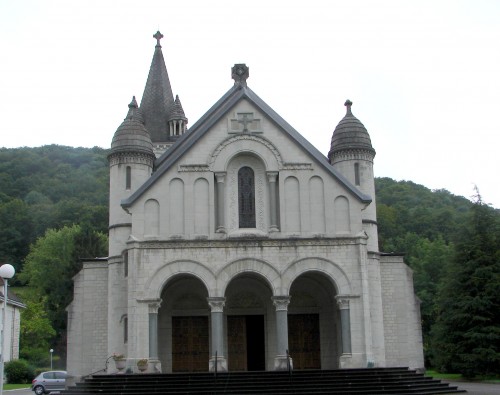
[51, 351]
[6, 271]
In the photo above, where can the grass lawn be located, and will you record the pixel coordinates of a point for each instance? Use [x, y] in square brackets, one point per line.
[445, 376]
[15, 386]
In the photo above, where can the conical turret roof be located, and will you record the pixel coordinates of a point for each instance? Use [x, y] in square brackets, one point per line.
[350, 134]
[131, 135]
[176, 111]
[157, 98]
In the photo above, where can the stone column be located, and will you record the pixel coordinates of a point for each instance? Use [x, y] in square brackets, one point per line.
[271, 178]
[217, 325]
[281, 361]
[220, 177]
[153, 329]
[345, 321]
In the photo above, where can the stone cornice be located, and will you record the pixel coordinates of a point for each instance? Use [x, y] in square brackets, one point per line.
[118, 158]
[246, 243]
[352, 154]
[123, 225]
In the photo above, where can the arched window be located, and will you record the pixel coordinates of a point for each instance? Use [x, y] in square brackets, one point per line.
[125, 263]
[246, 197]
[356, 174]
[124, 321]
[128, 177]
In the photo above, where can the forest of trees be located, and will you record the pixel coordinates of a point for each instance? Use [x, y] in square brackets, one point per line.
[54, 210]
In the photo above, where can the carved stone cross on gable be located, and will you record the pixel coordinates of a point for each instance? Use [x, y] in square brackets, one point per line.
[245, 119]
[245, 122]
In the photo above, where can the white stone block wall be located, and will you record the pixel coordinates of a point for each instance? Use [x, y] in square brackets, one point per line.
[88, 330]
[402, 327]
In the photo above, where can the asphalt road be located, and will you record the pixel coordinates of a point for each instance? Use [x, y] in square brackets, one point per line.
[18, 392]
[477, 388]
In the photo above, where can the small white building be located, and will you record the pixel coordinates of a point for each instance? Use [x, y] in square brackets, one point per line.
[13, 328]
[238, 243]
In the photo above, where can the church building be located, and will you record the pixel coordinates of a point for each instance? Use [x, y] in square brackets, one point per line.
[236, 245]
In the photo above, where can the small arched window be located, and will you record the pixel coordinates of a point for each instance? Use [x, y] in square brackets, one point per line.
[128, 177]
[246, 197]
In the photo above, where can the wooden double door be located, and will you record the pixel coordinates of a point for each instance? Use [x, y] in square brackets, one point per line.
[304, 341]
[246, 343]
[190, 344]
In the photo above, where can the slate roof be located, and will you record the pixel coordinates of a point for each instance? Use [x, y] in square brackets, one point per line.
[157, 98]
[237, 93]
[176, 111]
[131, 135]
[350, 134]
[11, 296]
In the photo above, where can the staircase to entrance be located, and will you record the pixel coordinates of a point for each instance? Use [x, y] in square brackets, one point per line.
[345, 381]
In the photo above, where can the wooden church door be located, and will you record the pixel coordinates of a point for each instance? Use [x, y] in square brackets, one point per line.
[190, 344]
[304, 341]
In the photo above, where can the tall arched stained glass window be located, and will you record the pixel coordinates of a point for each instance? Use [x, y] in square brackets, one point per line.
[246, 197]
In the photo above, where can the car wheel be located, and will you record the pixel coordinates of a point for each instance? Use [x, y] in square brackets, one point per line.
[39, 390]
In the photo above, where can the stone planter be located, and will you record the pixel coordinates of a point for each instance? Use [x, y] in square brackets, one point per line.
[120, 364]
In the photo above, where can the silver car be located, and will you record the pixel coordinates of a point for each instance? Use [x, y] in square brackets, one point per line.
[47, 382]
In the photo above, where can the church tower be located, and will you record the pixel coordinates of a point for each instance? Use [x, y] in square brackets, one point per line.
[130, 165]
[351, 153]
[163, 116]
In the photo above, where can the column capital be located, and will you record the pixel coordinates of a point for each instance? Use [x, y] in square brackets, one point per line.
[271, 176]
[281, 302]
[216, 304]
[220, 176]
[154, 306]
[343, 300]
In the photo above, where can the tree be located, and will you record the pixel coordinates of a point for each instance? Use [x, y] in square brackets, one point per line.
[466, 336]
[36, 333]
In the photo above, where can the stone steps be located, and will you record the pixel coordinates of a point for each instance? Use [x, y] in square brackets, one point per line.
[344, 381]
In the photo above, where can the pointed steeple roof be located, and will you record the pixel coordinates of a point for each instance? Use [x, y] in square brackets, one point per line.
[176, 111]
[157, 98]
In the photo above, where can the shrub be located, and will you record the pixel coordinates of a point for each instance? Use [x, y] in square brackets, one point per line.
[19, 371]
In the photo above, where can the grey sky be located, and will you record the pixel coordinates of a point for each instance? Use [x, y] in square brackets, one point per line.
[424, 76]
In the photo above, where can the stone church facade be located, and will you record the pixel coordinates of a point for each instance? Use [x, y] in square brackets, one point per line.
[235, 244]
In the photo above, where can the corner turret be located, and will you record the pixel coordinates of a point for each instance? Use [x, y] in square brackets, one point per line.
[352, 154]
[131, 162]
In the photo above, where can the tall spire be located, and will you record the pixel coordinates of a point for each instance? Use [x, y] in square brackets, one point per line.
[157, 97]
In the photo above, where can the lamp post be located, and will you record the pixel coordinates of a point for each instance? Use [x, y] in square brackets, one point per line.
[51, 351]
[6, 271]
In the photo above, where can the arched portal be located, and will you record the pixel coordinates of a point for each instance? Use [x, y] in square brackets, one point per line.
[313, 322]
[183, 325]
[249, 318]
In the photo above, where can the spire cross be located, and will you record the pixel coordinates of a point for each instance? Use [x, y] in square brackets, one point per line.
[158, 37]
[348, 104]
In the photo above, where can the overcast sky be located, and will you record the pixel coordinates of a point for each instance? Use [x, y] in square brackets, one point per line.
[424, 76]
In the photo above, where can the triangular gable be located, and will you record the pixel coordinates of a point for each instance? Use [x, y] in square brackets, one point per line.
[212, 116]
